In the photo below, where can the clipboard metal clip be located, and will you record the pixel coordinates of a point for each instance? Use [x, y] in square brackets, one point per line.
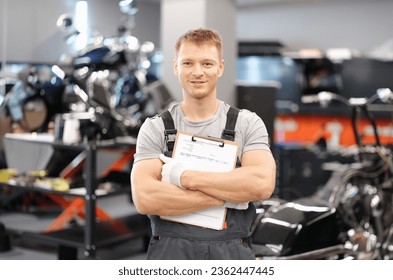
[222, 143]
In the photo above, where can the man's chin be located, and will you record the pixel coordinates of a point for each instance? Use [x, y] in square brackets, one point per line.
[198, 94]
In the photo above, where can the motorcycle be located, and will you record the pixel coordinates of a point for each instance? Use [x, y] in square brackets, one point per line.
[350, 217]
[106, 86]
[114, 89]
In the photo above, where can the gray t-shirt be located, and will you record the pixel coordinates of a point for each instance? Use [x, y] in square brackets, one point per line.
[251, 133]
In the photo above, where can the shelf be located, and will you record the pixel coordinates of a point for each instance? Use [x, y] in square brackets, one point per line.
[106, 232]
[98, 229]
[71, 193]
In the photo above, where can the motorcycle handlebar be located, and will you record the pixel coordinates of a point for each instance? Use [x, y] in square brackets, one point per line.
[308, 99]
[358, 105]
[325, 98]
[385, 95]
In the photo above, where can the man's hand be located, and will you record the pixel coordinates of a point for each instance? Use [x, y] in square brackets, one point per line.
[173, 169]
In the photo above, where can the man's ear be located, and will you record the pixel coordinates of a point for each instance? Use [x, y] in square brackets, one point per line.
[221, 68]
[175, 67]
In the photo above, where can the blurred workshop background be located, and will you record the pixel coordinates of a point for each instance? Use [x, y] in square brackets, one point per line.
[78, 78]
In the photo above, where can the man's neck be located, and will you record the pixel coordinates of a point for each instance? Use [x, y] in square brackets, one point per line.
[198, 110]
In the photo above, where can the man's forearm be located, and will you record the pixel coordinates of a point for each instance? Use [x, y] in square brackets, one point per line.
[165, 199]
[240, 185]
[254, 180]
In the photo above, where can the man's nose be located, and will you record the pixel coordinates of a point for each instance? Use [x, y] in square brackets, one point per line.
[197, 70]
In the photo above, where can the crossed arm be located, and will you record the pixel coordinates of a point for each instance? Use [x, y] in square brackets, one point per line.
[255, 180]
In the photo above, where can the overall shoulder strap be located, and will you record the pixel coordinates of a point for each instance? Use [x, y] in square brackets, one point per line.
[229, 131]
[170, 130]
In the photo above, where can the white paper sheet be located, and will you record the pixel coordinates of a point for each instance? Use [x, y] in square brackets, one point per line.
[207, 154]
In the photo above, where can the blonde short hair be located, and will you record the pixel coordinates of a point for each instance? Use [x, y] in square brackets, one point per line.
[200, 36]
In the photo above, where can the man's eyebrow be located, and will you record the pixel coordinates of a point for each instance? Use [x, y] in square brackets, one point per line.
[187, 59]
[208, 60]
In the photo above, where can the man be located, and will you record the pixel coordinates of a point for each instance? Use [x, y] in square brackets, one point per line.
[162, 187]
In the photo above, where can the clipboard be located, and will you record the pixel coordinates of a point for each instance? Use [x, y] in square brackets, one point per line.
[208, 154]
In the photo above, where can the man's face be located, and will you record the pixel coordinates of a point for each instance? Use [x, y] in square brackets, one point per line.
[198, 68]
